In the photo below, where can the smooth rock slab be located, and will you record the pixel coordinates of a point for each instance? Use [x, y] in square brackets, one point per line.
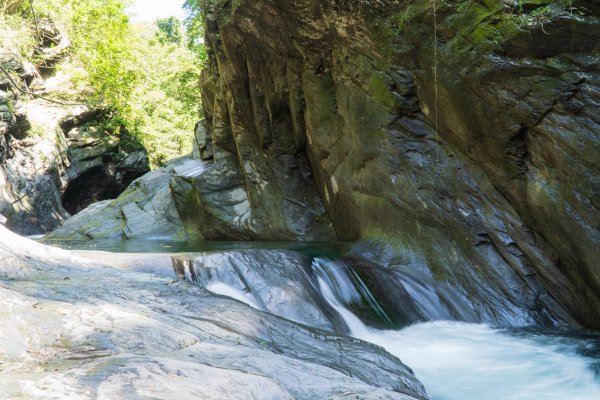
[279, 282]
[145, 210]
[75, 329]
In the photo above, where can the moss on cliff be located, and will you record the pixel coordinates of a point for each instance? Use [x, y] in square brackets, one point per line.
[423, 127]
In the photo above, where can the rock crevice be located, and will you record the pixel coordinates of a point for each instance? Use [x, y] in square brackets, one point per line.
[424, 148]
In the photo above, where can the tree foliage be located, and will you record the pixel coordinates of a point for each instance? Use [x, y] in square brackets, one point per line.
[194, 27]
[101, 36]
[145, 76]
[165, 103]
[169, 30]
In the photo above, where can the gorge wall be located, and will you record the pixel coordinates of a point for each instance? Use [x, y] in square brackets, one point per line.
[461, 138]
[56, 158]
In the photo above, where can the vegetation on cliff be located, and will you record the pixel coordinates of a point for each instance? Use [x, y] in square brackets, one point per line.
[143, 75]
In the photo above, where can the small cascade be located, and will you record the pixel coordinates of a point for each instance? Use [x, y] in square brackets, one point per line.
[434, 301]
[409, 295]
[455, 360]
[355, 326]
[347, 286]
[464, 361]
[226, 290]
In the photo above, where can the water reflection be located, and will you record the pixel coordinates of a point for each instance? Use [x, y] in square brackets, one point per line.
[310, 249]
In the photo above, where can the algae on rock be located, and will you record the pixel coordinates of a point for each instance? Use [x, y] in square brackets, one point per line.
[485, 173]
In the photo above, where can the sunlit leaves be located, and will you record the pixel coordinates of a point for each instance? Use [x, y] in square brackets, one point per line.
[194, 27]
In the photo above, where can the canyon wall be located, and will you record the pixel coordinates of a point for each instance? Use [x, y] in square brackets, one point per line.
[56, 158]
[460, 139]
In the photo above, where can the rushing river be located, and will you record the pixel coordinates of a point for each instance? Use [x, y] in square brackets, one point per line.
[463, 361]
[454, 360]
[460, 361]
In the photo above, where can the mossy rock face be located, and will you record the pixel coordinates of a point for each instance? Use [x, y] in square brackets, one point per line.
[466, 135]
[145, 210]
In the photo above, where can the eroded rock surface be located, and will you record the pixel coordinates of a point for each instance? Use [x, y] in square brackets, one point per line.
[472, 154]
[79, 329]
[145, 210]
[54, 157]
[279, 282]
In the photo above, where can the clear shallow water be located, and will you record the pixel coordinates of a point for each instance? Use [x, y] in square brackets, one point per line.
[312, 249]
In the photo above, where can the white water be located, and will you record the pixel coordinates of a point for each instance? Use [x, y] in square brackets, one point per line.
[226, 290]
[462, 361]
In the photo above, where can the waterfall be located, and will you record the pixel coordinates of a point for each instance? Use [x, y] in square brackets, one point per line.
[454, 360]
[348, 286]
[463, 361]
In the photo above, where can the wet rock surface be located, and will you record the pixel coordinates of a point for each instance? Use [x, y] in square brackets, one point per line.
[411, 294]
[286, 283]
[77, 328]
[279, 282]
[471, 155]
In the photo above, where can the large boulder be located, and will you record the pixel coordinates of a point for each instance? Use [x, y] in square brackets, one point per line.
[463, 138]
[217, 202]
[146, 210]
[190, 198]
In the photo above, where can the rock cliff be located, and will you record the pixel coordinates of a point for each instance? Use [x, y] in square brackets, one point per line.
[460, 138]
[55, 156]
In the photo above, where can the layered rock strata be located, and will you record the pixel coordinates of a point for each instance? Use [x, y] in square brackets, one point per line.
[464, 137]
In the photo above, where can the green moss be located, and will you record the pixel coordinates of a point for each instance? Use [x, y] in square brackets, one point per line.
[10, 105]
[36, 130]
[323, 91]
[225, 9]
[381, 92]
[402, 20]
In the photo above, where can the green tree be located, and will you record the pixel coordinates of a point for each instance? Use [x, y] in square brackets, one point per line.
[101, 36]
[169, 30]
[194, 28]
[166, 99]
[147, 87]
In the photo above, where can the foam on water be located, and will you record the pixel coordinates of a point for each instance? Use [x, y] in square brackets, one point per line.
[464, 361]
[226, 290]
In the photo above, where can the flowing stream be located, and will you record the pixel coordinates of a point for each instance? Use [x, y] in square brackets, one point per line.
[454, 360]
[463, 361]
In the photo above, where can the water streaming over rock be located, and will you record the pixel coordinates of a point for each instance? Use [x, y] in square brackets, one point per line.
[458, 360]
[462, 361]
[349, 287]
